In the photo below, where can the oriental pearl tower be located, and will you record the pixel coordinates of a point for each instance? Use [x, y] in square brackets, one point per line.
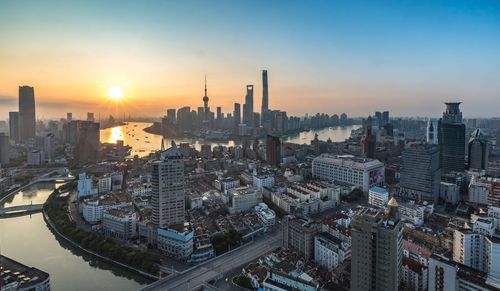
[205, 100]
[205, 107]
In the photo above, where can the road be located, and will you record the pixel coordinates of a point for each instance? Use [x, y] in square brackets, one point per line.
[205, 272]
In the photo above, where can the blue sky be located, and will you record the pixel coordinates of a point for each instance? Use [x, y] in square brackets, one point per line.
[341, 56]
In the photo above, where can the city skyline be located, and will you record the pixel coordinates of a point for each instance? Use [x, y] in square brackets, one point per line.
[405, 57]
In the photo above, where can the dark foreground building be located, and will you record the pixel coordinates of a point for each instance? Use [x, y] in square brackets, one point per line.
[451, 139]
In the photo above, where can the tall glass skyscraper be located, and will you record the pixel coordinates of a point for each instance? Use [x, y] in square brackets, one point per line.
[478, 150]
[451, 139]
[248, 107]
[420, 173]
[265, 96]
[27, 121]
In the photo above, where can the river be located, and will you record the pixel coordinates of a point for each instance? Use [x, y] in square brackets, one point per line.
[143, 143]
[28, 240]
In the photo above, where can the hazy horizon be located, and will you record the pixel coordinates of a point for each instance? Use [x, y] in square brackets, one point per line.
[406, 57]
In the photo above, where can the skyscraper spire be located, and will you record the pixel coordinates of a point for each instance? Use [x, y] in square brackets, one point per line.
[205, 84]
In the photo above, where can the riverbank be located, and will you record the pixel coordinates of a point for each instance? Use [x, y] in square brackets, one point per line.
[156, 129]
[94, 245]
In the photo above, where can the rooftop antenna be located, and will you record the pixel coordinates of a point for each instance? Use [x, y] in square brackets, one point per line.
[162, 144]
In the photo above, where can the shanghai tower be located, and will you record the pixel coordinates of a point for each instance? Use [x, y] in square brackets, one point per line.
[26, 113]
[265, 94]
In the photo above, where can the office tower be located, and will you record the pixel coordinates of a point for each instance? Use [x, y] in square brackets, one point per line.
[368, 141]
[167, 182]
[206, 151]
[248, 107]
[48, 145]
[184, 118]
[280, 121]
[87, 141]
[478, 150]
[265, 95]
[385, 118]
[378, 118]
[27, 120]
[4, 150]
[171, 115]
[377, 249]
[90, 116]
[200, 113]
[389, 129]
[273, 150]
[14, 126]
[420, 173]
[69, 117]
[237, 113]
[451, 139]
[432, 136]
[220, 116]
[343, 119]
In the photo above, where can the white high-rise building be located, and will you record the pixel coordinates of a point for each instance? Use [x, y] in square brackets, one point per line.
[167, 183]
[477, 251]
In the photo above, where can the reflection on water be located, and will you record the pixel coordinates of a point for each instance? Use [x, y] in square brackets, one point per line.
[28, 240]
[336, 134]
[36, 194]
[116, 134]
[143, 143]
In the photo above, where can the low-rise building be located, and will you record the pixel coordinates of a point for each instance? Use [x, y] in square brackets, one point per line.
[120, 223]
[16, 276]
[360, 172]
[93, 209]
[266, 215]
[244, 198]
[445, 274]
[227, 183]
[85, 186]
[175, 241]
[263, 180]
[35, 158]
[307, 198]
[412, 212]
[378, 197]
[414, 275]
[449, 192]
[330, 251]
[494, 215]
[479, 189]
[278, 281]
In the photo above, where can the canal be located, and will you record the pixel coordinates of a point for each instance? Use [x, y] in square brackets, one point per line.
[28, 239]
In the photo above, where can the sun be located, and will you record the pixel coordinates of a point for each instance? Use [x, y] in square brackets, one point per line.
[115, 92]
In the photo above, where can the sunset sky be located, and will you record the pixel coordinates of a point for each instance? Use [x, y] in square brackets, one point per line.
[334, 56]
